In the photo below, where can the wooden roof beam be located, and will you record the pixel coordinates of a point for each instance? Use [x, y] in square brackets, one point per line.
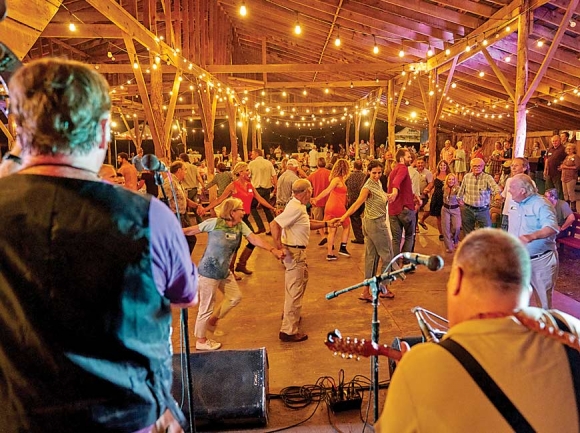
[507, 17]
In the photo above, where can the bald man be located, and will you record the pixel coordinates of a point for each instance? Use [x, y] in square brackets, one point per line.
[291, 233]
[489, 284]
[475, 196]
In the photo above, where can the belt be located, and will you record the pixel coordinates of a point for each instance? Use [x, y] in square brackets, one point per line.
[450, 206]
[477, 209]
[300, 247]
[537, 256]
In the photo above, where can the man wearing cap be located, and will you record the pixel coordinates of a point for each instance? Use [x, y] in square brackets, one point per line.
[285, 184]
[291, 233]
[475, 197]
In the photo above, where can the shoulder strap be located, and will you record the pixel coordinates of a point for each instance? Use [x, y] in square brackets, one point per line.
[493, 392]
[574, 361]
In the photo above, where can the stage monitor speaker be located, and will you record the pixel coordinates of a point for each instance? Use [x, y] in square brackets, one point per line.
[411, 341]
[229, 386]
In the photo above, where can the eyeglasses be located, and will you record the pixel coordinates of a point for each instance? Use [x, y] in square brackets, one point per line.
[242, 209]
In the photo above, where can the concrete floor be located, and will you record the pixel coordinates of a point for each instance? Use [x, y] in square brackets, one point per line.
[255, 323]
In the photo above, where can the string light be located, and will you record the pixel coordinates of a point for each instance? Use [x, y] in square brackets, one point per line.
[429, 51]
[72, 27]
[375, 48]
[297, 28]
[540, 43]
[135, 63]
[243, 10]
[337, 40]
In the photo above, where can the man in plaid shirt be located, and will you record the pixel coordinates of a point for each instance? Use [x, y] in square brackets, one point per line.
[475, 197]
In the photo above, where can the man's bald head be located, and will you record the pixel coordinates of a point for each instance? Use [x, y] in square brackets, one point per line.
[496, 257]
[491, 272]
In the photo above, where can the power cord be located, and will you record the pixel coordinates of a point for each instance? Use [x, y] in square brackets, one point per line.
[337, 395]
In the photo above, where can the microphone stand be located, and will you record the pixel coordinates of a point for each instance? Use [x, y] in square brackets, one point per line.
[373, 284]
[184, 315]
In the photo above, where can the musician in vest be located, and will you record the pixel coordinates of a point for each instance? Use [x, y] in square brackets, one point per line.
[519, 348]
[87, 281]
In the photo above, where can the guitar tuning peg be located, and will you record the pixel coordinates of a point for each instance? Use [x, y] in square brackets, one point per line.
[358, 358]
[335, 353]
[343, 355]
[350, 356]
[355, 340]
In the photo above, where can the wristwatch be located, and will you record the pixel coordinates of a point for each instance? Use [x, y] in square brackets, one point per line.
[10, 157]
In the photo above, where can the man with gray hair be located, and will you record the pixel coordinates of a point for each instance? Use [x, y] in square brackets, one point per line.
[291, 233]
[490, 321]
[284, 192]
[475, 197]
[533, 221]
[564, 215]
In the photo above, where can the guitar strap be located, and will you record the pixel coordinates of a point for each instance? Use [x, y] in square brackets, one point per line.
[574, 361]
[493, 392]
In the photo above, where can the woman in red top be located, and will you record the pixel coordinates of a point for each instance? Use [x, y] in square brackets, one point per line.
[336, 206]
[243, 189]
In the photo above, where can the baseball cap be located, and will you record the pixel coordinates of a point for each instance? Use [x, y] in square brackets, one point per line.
[292, 163]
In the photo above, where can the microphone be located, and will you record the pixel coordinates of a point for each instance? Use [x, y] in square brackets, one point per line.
[434, 262]
[151, 162]
[426, 331]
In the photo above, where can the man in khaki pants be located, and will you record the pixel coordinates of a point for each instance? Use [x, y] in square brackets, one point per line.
[291, 233]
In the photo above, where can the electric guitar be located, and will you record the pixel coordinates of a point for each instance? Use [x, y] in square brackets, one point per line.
[355, 348]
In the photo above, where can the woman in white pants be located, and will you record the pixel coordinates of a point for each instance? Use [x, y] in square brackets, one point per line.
[224, 237]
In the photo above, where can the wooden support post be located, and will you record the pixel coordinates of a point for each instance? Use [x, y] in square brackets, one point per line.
[373, 122]
[207, 106]
[520, 120]
[357, 119]
[232, 123]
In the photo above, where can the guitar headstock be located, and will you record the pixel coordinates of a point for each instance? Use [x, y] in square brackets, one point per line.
[347, 347]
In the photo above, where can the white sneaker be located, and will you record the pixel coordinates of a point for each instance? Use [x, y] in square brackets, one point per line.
[208, 345]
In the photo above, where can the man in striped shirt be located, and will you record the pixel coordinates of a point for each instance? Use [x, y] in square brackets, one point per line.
[475, 197]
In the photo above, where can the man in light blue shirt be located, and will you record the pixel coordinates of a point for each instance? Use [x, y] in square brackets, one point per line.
[533, 221]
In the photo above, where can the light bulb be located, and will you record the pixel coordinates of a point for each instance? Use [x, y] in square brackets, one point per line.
[297, 28]
[337, 41]
[376, 49]
[540, 43]
[402, 53]
[243, 10]
[447, 51]
[429, 52]
[72, 27]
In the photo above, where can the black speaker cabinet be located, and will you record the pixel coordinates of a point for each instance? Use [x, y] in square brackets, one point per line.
[411, 341]
[229, 386]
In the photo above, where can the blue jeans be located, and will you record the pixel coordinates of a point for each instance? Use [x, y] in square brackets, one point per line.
[406, 220]
[469, 217]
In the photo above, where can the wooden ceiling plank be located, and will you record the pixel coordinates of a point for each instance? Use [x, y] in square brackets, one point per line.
[551, 51]
[506, 16]
[423, 9]
[301, 67]
[83, 31]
